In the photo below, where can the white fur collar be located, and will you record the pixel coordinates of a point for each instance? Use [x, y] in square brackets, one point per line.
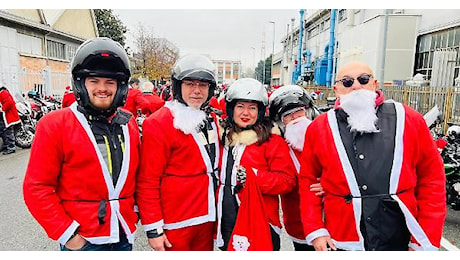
[246, 137]
[187, 119]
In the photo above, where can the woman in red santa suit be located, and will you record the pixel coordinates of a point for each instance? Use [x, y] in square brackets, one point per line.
[251, 150]
[79, 183]
[180, 155]
[292, 110]
[382, 175]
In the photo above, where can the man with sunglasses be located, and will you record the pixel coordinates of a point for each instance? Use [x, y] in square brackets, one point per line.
[380, 170]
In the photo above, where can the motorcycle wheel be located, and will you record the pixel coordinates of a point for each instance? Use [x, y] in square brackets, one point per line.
[24, 136]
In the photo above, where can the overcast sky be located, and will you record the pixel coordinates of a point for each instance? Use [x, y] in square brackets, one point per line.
[220, 33]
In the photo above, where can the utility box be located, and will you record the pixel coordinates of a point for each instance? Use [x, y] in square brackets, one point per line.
[320, 72]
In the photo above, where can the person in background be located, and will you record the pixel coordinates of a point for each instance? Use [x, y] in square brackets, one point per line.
[166, 94]
[381, 172]
[180, 154]
[9, 117]
[292, 110]
[136, 99]
[68, 97]
[251, 149]
[80, 179]
[155, 102]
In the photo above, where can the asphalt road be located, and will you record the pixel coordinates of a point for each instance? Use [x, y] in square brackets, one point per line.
[20, 232]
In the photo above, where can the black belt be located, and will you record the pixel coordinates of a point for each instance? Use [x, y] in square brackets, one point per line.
[101, 210]
[349, 197]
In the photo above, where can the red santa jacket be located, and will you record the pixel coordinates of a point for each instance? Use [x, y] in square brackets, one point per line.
[274, 170]
[417, 170]
[155, 102]
[135, 101]
[68, 99]
[175, 185]
[290, 204]
[67, 178]
[8, 110]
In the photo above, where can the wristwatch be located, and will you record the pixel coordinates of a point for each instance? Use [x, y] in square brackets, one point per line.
[154, 233]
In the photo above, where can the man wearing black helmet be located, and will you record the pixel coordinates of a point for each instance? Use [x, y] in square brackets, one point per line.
[79, 183]
[180, 153]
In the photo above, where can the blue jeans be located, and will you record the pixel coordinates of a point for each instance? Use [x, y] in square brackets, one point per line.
[123, 245]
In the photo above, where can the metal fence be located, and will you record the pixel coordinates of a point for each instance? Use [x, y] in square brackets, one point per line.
[420, 98]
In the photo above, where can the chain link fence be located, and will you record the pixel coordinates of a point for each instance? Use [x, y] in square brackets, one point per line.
[420, 98]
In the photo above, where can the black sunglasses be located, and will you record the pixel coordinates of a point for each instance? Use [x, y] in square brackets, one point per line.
[348, 82]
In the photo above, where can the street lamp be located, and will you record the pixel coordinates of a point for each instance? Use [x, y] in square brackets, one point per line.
[254, 60]
[273, 53]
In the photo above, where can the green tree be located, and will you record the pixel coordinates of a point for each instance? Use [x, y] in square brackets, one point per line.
[109, 25]
[259, 71]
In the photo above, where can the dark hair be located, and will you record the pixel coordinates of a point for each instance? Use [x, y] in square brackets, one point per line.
[134, 80]
[263, 130]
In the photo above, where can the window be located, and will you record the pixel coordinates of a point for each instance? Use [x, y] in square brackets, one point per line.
[71, 50]
[56, 50]
[29, 44]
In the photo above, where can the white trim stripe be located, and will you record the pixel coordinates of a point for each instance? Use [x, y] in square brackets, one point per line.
[349, 175]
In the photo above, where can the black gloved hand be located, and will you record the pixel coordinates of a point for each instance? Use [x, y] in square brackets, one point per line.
[241, 174]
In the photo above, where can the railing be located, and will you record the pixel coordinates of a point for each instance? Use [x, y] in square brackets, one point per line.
[420, 98]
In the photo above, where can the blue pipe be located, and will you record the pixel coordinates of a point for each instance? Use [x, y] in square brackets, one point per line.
[331, 48]
[296, 73]
[307, 55]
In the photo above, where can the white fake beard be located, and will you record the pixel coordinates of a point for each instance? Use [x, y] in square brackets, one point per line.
[295, 132]
[187, 119]
[360, 107]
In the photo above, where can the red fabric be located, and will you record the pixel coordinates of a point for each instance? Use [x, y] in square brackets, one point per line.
[64, 168]
[8, 110]
[135, 101]
[275, 172]
[290, 204]
[251, 231]
[172, 183]
[155, 102]
[192, 238]
[222, 104]
[441, 143]
[422, 178]
[68, 99]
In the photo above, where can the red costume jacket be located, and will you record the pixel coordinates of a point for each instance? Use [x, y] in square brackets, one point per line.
[8, 110]
[155, 102]
[290, 204]
[135, 101]
[68, 99]
[67, 179]
[174, 185]
[274, 170]
[417, 170]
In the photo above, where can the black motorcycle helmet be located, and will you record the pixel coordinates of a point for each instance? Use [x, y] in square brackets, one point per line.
[100, 57]
[287, 98]
[193, 67]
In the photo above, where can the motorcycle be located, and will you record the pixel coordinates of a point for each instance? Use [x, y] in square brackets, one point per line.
[449, 147]
[451, 157]
[140, 120]
[25, 131]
